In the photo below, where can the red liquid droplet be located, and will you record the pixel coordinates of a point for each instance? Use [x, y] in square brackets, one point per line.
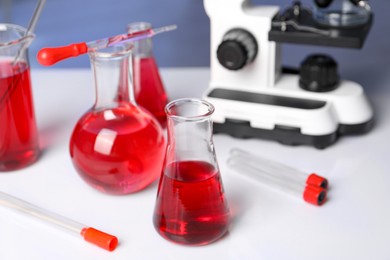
[118, 151]
[149, 89]
[18, 131]
[191, 207]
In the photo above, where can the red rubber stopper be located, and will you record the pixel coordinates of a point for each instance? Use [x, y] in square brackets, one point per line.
[99, 238]
[314, 195]
[50, 56]
[316, 180]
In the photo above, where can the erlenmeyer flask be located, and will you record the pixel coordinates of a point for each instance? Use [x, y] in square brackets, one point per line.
[191, 207]
[148, 86]
[18, 130]
[117, 147]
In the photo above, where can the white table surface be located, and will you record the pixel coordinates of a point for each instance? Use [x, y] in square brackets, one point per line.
[353, 224]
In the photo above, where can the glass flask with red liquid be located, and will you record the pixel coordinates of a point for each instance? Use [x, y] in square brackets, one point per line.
[117, 146]
[191, 207]
[148, 86]
[19, 145]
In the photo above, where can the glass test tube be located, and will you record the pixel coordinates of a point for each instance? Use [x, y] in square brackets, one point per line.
[270, 174]
[280, 170]
[97, 237]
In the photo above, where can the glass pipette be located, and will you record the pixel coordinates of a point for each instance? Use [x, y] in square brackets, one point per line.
[97, 237]
[281, 170]
[272, 176]
[50, 56]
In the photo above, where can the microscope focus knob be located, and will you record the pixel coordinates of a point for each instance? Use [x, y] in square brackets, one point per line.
[318, 73]
[238, 48]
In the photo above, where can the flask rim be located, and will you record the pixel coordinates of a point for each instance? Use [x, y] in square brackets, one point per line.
[138, 26]
[21, 31]
[119, 50]
[205, 106]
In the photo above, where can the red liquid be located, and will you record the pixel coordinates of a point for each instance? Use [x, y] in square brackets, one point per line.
[149, 89]
[191, 207]
[18, 131]
[118, 151]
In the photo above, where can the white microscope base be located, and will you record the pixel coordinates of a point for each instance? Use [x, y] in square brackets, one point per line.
[289, 114]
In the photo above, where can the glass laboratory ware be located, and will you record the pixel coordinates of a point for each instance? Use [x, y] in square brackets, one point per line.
[18, 131]
[52, 55]
[342, 13]
[310, 188]
[90, 234]
[117, 147]
[191, 207]
[280, 171]
[149, 88]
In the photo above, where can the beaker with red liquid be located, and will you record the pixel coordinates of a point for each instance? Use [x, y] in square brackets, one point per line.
[117, 146]
[19, 145]
[148, 86]
[191, 207]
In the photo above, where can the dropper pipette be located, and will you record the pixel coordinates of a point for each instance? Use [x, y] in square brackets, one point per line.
[97, 237]
[50, 56]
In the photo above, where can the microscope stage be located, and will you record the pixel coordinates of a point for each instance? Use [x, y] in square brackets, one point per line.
[344, 37]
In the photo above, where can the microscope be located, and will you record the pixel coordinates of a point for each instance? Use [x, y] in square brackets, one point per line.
[256, 97]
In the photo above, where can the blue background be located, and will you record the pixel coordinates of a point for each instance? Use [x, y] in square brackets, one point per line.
[68, 21]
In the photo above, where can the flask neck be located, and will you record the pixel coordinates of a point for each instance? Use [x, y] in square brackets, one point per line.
[112, 70]
[187, 134]
[142, 48]
[190, 131]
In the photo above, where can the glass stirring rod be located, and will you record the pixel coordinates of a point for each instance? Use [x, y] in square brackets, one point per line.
[94, 236]
[50, 56]
[272, 176]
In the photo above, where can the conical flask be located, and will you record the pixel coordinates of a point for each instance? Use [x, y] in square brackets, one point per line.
[191, 207]
[148, 86]
[117, 147]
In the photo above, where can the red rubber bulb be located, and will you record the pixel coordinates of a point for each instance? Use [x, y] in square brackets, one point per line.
[50, 56]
